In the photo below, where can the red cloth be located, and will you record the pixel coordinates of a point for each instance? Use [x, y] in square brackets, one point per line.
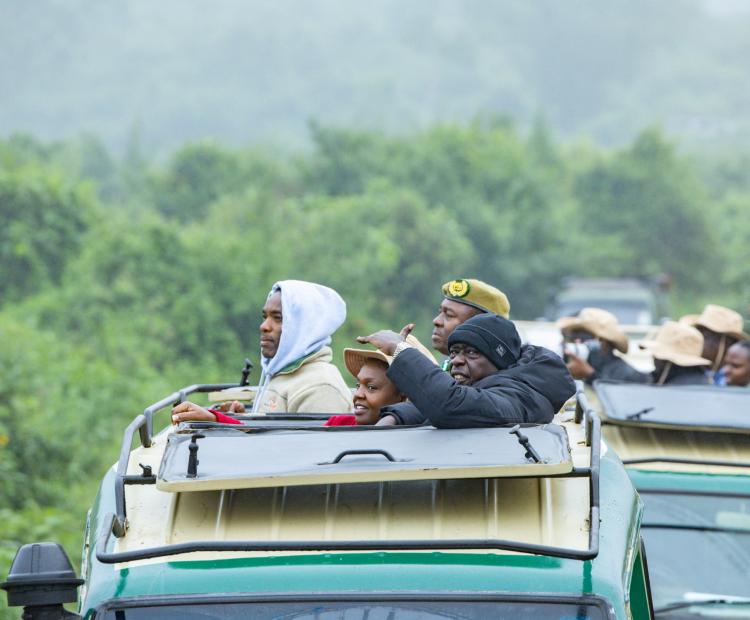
[223, 418]
[336, 420]
[341, 420]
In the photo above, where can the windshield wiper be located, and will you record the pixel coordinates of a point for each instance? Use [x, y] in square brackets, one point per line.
[637, 415]
[698, 599]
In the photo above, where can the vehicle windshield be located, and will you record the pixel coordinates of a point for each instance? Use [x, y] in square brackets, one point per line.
[697, 543]
[627, 312]
[363, 610]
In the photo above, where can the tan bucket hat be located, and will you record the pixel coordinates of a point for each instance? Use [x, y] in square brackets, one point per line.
[354, 359]
[677, 343]
[720, 320]
[598, 322]
[689, 319]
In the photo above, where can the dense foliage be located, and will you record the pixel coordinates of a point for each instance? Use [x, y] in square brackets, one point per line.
[123, 280]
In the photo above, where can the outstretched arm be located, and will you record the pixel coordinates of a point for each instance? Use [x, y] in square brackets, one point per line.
[447, 404]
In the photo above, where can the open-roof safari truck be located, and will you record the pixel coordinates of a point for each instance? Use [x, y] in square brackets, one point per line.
[285, 518]
[687, 450]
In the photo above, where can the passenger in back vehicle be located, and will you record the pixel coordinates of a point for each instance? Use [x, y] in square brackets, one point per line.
[677, 351]
[721, 328]
[737, 364]
[602, 335]
[492, 381]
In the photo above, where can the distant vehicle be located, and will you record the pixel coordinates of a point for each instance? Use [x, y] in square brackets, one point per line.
[687, 450]
[281, 517]
[632, 301]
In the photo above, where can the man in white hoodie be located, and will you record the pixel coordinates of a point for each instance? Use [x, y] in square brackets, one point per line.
[297, 373]
[298, 376]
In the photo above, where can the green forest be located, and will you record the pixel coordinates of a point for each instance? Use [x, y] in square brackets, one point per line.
[126, 278]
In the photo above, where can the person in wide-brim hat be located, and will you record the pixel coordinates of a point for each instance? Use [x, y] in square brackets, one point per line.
[677, 355]
[493, 379]
[374, 389]
[721, 328]
[601, 334]
[599, 323]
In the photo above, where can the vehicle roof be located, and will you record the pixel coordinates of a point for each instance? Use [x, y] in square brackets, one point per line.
[615, 288]
[672, 445]
[540, 508]
[240, 458]
[685, 407]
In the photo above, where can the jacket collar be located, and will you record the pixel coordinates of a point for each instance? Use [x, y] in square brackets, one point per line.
[295, 365]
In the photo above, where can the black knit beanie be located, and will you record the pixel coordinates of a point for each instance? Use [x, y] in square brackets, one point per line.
[493, 336]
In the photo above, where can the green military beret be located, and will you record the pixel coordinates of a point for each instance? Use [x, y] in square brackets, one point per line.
[479, 295]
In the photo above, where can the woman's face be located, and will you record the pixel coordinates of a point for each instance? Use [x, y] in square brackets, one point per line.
[374, 390]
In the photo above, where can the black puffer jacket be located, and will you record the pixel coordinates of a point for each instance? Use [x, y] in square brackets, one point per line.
[533, 390]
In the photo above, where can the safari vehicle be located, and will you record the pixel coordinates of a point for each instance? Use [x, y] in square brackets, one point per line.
[633, 301]
[282, 517]
[687, 450]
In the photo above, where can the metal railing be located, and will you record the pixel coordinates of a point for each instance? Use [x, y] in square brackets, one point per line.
[116, 523]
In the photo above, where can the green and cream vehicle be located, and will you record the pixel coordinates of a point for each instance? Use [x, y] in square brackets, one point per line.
[281, 517]
[687, 450]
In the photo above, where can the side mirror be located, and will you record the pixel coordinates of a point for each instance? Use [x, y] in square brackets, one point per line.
[41, 579]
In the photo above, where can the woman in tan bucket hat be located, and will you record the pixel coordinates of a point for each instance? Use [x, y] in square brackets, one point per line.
[374, 389]
[721, 328]
[677, 352]
[601, 333]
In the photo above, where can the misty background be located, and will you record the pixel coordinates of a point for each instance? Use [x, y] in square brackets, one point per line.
[258, 71]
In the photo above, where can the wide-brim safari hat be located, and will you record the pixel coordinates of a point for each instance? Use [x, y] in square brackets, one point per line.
[354, 359]
[720, 320]
[598, 322]
[677, 343]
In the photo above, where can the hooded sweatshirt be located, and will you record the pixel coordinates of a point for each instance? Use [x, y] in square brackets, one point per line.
[532, 390]
[300, 378]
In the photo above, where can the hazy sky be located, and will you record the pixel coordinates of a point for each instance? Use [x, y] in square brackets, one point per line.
[243, 71]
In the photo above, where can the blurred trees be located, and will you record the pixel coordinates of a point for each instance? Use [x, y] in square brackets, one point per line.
[643, 212]
[123, 281]
[44, 220]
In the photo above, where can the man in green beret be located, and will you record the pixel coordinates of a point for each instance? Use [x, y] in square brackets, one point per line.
[463, 299]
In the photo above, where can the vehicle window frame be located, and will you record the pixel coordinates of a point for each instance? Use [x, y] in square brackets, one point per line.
[113, 605]
[692, 493]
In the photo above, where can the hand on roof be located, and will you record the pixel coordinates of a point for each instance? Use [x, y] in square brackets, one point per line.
[234, 406]
[190, 412]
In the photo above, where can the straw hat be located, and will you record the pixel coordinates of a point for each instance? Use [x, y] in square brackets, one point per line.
[690, 319]
[354, 359]
[598, 322]
[677, 343]
[718, 319]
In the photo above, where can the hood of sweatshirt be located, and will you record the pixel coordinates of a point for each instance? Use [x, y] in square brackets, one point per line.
[544, 372]
[311, 313]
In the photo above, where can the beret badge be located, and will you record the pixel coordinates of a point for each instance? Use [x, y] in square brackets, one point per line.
[459, 288]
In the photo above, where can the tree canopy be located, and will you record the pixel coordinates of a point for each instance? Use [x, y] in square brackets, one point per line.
[126, 280]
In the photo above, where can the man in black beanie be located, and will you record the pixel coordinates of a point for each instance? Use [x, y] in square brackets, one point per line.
[493, 380]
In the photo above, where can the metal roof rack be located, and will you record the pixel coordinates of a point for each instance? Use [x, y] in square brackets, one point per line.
[706, 408]
[117, 523]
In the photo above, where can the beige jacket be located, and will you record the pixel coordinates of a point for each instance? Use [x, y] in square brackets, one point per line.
[310, 385]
